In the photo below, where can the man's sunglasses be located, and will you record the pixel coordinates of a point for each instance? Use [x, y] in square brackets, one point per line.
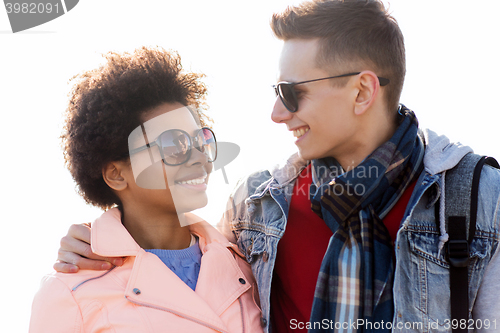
[286, 91]
[175, 145]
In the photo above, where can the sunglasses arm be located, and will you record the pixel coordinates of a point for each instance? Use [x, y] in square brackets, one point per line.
[138, 150]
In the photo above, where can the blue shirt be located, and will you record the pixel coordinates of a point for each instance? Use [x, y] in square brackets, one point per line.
[184, 263]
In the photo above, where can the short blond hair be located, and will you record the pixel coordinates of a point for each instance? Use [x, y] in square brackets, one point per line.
[352, 33]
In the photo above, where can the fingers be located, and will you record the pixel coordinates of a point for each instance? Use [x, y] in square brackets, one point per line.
[72, 263]
[75, 253]
[73, 245]
[79, 262]
[65, 268]
[77, 241]
[80, 232]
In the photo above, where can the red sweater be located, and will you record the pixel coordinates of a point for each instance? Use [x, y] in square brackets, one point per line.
[301, 251]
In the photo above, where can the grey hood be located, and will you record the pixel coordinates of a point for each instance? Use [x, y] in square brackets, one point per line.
[440, 154]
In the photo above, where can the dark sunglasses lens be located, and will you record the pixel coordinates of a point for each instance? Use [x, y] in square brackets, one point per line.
[207, 143]
[287, 96]
[175, 146]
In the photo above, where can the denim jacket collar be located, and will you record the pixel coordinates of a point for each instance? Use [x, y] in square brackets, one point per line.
[282, 175]
[290, 171]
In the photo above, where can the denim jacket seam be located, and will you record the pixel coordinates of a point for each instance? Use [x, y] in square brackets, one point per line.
[496, 217]
[275, 232]
[426, 181]
[246, 225]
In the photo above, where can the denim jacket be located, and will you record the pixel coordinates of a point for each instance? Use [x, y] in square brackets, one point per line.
[257, 213]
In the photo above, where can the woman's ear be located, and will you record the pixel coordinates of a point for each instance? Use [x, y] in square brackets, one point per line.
[368, 88]
[114, 174]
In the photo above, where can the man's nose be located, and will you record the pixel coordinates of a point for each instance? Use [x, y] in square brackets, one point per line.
[280, 113]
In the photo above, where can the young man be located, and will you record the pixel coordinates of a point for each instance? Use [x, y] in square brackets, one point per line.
[344, 236]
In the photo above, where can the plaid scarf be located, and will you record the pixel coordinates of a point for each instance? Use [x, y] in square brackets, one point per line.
[356, 276]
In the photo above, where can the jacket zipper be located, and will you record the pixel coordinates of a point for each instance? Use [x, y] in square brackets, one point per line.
[175, 313]
[94, 278]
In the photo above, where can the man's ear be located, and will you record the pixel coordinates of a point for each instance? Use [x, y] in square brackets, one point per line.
[113, 174]
[368, 89]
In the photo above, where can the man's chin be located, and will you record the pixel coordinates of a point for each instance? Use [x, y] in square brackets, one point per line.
[308, 155]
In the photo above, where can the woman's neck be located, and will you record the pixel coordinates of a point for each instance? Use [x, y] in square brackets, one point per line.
[156, 230]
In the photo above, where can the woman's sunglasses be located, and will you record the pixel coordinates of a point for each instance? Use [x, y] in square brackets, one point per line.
[175, 145]
[286, 91]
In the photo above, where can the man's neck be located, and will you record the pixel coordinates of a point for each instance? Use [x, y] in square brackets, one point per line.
[369, 138]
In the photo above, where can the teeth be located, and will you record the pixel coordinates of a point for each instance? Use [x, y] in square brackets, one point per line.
[196, 181]
[301, 131]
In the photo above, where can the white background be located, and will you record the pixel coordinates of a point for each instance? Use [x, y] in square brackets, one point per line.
[452, 84]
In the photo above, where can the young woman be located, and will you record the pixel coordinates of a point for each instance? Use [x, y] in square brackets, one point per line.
[138, 150]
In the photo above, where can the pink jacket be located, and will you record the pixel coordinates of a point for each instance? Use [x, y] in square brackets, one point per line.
[144, 295]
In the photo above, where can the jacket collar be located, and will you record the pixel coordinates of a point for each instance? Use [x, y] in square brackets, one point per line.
[109, 238]
[219, 282]
[290, 170]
